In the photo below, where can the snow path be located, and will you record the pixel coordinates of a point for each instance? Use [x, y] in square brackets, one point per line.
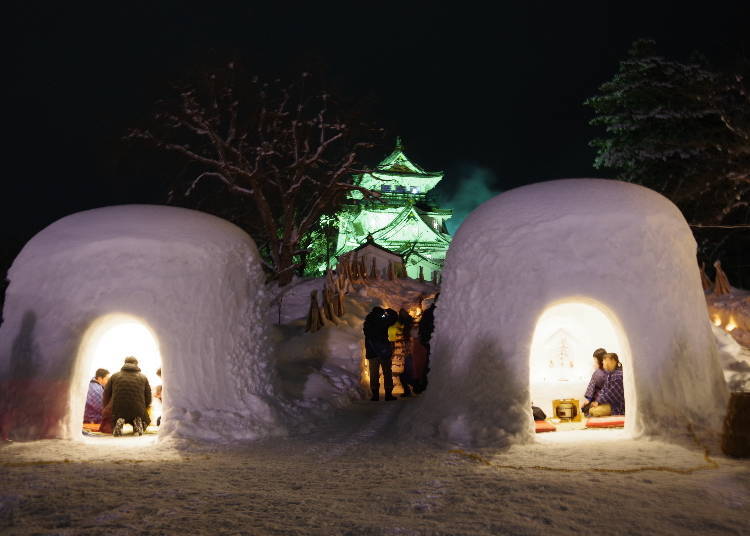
[353, 476]
[336, 440]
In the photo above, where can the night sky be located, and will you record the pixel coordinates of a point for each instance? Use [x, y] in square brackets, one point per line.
[491, 94]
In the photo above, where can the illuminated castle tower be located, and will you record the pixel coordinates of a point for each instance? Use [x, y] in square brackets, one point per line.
[402, 220]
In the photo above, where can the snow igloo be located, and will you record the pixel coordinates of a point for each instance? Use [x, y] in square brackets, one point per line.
[565, 267]
[176, 288]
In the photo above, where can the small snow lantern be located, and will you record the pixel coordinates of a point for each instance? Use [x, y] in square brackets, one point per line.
[539, 277]
[178, 289]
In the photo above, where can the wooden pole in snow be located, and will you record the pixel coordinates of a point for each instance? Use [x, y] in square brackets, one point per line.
[340, 303]
[391, 271]
[328, 304]
[314, 318]
[721, 283]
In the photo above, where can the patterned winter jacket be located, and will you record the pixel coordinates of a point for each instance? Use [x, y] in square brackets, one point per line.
[130, 394]
[613, 393]
[94, 403]
[595, 385]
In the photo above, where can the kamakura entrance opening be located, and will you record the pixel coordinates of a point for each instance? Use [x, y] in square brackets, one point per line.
[106, 344]
[561, 363]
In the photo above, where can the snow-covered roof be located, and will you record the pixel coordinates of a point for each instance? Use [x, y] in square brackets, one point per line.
[399, 169]
[410, 216]
[370, 244]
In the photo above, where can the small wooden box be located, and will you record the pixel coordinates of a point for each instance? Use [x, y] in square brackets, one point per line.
[567, 410]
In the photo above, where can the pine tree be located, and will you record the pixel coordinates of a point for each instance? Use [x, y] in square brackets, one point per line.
[679, 128]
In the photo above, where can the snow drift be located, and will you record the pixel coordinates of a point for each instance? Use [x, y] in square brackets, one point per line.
[192, 280]
[619, 248]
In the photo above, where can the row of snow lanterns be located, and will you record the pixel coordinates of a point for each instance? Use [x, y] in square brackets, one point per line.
[349, 273]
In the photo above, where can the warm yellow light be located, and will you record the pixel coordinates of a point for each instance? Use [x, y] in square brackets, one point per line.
[106, 344]
[561, 362]
[716, 320]
[120, 340]
[730, 325]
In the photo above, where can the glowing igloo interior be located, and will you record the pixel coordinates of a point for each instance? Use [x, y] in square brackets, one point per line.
[106, 343]
[161, 283]
[560, 360]
[512, 267]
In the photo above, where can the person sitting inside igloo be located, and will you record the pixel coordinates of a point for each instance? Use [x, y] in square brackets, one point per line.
[95, 397]
[130, 394]
[611, 399]
[597, 380]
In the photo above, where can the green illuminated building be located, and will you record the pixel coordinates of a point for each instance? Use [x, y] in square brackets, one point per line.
[403, 220]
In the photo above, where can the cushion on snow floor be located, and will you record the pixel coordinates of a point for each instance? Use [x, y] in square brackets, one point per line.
[613, 421]
[544, 426]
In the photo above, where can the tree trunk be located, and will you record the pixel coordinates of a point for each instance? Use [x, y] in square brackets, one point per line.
[284, 268]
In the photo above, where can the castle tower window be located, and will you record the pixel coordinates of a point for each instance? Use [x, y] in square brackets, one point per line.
[400, 189]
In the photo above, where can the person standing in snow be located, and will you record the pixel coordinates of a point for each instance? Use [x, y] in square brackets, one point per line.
[379, 350]
[130, 394]
[597, 380]
[95, 397]
[611, 399]
[426, 327]
[400, 334]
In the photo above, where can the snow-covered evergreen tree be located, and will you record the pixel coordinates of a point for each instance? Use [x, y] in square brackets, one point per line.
[680, 128]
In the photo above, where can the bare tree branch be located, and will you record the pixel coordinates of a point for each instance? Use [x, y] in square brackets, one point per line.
[284, 147]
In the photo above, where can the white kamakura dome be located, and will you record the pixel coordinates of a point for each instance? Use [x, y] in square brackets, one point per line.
[177, 288]
[535, 280]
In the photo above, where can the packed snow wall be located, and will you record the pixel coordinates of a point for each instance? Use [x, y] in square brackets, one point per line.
[192, 280]
[619, 248]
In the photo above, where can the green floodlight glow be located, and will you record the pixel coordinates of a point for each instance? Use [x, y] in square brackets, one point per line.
[400, 221]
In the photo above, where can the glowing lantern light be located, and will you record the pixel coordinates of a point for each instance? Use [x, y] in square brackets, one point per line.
[106, 345]
[564, 340]
[716, 321]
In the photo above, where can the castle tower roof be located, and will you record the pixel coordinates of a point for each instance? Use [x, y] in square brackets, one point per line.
[397, 169]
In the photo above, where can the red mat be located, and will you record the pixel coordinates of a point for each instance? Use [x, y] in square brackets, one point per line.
[613, 421]
[544, 426]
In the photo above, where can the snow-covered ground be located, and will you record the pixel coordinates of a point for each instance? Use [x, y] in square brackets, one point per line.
[346, 468]
[730, 315]
[353, 476]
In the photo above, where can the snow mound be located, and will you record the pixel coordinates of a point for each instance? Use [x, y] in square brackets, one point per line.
[621, 249]
[735, 360]
[193, 280]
